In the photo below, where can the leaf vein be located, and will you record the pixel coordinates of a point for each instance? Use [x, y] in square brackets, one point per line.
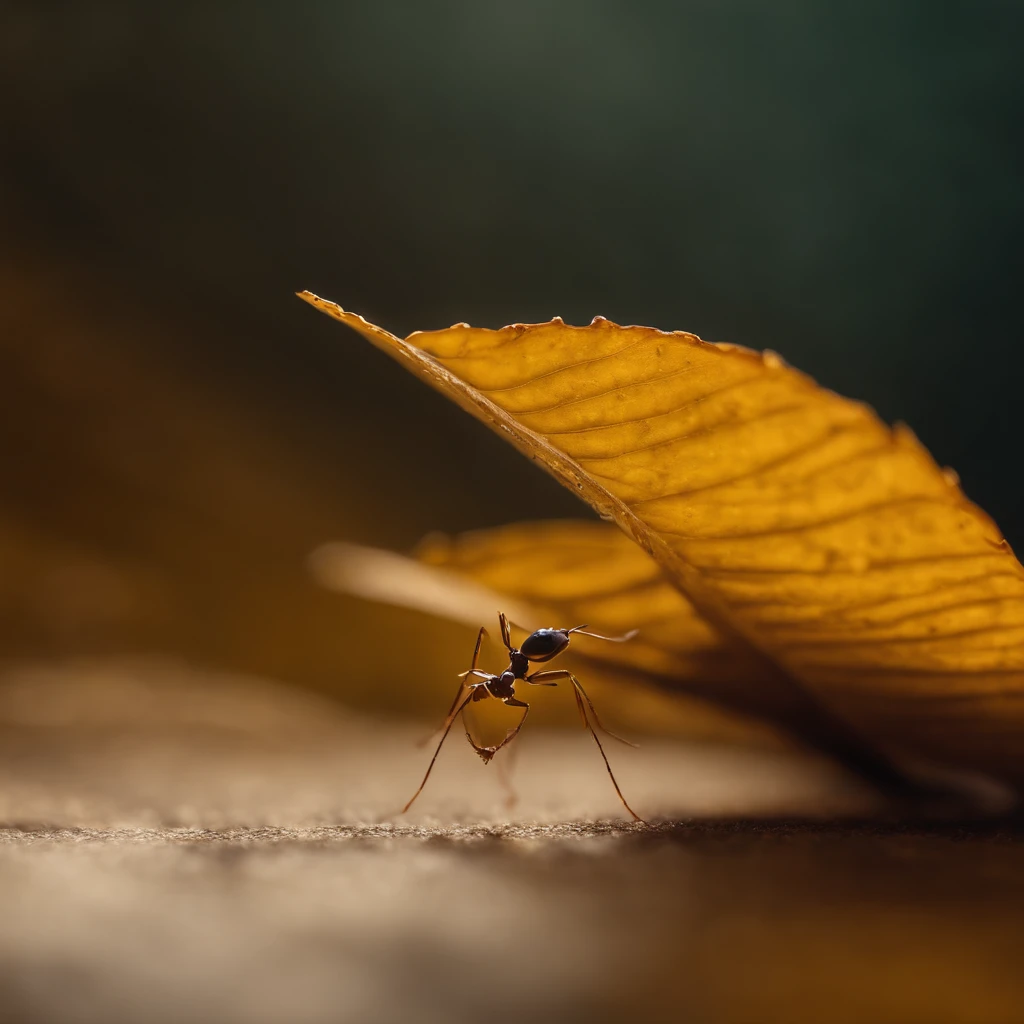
[601, 394]
[750, 474]
[670, 412]
[702, 432]
[818, 524]
[562, 369]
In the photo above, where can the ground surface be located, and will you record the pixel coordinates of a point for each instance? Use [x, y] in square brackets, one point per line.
[179, 846]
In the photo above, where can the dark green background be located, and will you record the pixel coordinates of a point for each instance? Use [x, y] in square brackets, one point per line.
[839, 182]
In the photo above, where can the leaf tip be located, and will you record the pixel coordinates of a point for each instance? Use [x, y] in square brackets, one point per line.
[1000, 545]
[324, 305]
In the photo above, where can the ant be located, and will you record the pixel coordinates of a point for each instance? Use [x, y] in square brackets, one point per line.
[540, 646]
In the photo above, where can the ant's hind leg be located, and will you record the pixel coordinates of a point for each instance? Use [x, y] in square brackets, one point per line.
[562, 673]
[604, 756]
[580, 694]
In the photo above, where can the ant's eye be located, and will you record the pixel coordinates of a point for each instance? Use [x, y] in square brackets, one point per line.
[545, 644]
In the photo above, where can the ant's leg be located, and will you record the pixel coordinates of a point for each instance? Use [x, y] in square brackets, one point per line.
[506, 635]
[577, 691]
[476, 650]
[486, 753]
[471, 671]
[512, 702]
[562, 673]
[604, 756]
[430, 767]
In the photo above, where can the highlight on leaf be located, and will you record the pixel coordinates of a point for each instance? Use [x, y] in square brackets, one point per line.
[799, 526]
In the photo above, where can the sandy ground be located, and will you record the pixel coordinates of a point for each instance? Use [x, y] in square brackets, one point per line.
[185, 846]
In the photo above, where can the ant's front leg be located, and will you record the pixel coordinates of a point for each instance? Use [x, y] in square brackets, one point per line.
[486, 753]
[504, 766]
[512, 702]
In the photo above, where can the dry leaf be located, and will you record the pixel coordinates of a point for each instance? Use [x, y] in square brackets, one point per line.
[796, 523]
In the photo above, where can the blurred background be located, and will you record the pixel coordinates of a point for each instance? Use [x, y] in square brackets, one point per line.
[840, 183]
[199, 818]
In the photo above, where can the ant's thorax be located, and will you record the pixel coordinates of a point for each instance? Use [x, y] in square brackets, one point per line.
[518, 663]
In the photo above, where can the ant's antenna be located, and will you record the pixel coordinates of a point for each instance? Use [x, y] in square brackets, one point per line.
[582, 630]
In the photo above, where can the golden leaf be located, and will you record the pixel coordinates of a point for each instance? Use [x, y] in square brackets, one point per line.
[797, 523]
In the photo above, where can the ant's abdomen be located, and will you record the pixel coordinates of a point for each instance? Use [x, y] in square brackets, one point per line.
[545, 644]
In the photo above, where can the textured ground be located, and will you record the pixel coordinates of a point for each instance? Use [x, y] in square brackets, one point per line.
[179, 846]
